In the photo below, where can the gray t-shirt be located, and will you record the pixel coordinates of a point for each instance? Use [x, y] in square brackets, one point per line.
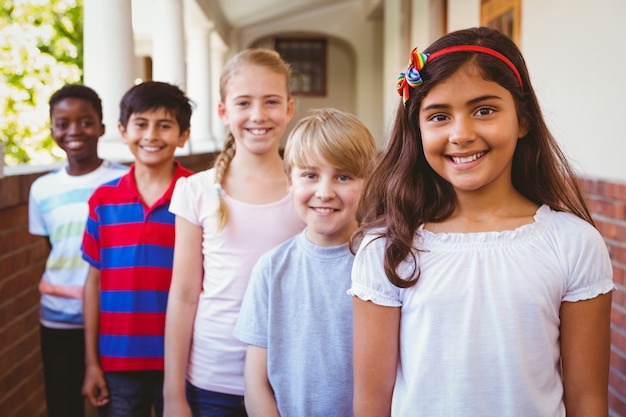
[297, 308]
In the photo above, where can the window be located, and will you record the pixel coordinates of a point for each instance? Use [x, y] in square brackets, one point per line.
[502, 15]
[307, 57]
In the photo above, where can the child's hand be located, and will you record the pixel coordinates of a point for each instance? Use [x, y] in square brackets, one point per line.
[176, 408]
[95, 386]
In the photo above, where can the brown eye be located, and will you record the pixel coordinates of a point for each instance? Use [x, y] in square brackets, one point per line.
[485, 111]
[438, 118]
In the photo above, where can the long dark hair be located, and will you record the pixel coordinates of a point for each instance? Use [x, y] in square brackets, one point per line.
[404, 192]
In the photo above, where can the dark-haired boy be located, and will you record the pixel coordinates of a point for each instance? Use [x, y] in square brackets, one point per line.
[129, 244]
[58, 210]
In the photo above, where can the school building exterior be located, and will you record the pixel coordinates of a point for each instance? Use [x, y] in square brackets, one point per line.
[572, 52]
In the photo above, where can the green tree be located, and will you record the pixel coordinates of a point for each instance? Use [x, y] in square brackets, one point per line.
[41, 49]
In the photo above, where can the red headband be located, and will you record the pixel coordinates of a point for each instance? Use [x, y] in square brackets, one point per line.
[412, 78]
[482, 49]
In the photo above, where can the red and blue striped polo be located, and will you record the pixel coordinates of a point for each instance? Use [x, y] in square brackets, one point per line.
[133, 247]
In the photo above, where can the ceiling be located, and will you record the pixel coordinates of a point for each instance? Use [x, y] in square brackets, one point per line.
[241, 13]
[228, 16]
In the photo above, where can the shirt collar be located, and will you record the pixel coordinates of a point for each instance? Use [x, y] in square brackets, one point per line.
[128, 191]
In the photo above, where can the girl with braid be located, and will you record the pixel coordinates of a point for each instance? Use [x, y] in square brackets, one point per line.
[481, 286]
[226, 217]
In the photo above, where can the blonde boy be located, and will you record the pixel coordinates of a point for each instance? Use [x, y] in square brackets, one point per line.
[296, 316]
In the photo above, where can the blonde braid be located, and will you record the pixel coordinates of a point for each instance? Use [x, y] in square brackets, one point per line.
[260, 57]
[221, 168]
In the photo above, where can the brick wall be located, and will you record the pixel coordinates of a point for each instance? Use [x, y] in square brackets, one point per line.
[607, 202]
[22, 259]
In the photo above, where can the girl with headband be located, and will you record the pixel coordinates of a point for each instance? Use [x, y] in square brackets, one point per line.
[481, 286]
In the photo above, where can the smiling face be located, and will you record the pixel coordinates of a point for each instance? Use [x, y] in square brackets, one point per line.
[325, 199]
[470, 129]
[76, 128]
[153, 136]
[256, 108]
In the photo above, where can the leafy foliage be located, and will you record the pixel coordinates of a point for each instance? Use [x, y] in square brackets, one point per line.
[41, 49]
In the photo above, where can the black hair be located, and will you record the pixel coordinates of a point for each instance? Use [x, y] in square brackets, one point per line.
[77, 91]
[404, 192]
[151, 95]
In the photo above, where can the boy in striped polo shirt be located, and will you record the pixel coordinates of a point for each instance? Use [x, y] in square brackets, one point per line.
[57, 209]
[129, 244]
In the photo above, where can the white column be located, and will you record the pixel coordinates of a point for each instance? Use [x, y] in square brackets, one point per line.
[218, 52]
[168, 47]
[108, 65]
[199, 86]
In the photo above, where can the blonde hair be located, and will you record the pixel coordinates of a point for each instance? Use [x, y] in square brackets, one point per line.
[334, 136]
[266, 58]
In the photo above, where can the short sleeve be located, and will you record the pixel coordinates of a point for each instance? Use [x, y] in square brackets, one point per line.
[182, 203]
[194, 198]
[369, 281]
[252, 322]
[36, 224]
[91, 237]
[588, 268]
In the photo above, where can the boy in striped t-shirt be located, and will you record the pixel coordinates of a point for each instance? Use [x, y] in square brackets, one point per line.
[57, 210]
[129, 244]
